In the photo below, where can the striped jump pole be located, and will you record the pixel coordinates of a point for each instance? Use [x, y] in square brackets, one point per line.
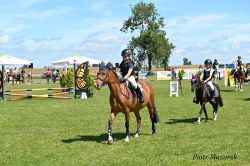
[40, 96]
[39, 89]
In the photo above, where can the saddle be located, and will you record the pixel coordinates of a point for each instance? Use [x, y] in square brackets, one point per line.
[132, 90]
[216, 91]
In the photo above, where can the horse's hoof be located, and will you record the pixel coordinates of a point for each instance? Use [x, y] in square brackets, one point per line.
[110, 142]
[136, 135]
[127, 139]
[153, 133]
[206, 120]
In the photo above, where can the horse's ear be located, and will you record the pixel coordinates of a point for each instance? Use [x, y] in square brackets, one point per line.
[102, 66]
[109, 65]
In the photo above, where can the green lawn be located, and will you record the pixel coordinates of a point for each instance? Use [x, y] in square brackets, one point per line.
[74, 132]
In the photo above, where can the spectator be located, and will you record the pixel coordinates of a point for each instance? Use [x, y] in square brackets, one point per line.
[173, 73]
[48, 75]
[29, 76]
[54, 75]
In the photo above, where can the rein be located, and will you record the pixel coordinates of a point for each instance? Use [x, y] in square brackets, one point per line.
[115, 82]
[197, 89]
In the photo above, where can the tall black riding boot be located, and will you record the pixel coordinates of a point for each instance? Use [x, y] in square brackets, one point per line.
[139, 94]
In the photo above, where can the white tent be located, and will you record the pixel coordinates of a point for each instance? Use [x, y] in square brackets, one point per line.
[74, 60]
[6, 59]
[77, 59]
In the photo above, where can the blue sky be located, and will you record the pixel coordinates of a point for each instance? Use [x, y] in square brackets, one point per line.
[44, 31]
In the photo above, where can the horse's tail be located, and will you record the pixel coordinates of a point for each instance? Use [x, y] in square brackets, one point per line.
[156, 118]
[220, 101]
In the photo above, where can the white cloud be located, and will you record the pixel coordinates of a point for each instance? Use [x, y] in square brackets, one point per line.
[14, 29]
[111, 38]
[5, 39]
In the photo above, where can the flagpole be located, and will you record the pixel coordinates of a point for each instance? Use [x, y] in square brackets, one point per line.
[2, 81]
[74, 68]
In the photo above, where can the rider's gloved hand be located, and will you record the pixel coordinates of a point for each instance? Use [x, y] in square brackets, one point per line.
[122, 79]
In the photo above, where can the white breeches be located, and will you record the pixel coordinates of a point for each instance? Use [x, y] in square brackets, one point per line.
[133, 82]
[210, 84]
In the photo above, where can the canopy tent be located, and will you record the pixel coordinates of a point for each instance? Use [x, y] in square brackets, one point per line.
[6, 59]
[76, 59]
[230, 66]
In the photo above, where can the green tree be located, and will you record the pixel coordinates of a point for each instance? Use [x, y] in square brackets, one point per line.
[151, 42]
[186, 62]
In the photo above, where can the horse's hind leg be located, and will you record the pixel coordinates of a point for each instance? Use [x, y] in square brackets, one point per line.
[205, 112]
[154, 118]
[138, 119]
[215, 109]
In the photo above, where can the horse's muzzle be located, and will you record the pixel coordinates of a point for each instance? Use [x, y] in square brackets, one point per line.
[98, 86]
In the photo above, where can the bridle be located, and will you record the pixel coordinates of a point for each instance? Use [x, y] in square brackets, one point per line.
[104, 81]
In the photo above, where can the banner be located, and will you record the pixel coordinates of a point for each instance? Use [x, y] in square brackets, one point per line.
[164, 75]
[143, 74]
[229, 79]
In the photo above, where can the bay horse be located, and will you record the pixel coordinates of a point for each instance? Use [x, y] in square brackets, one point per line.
[121, 100]
[202, 97]
[239, 76]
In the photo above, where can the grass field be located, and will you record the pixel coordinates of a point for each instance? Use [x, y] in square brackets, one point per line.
[74, 132]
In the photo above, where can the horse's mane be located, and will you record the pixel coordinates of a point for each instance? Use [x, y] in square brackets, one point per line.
[116, 75]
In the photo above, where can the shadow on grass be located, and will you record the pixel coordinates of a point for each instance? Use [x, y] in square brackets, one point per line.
[97, 138]
[227, 90]
[247, 99]
[174, 121]
[190, 120]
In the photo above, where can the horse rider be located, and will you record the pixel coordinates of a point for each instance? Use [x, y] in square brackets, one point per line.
[215, 64]
[215, 67]
[127, 71]
[239, 65]
[207, 77]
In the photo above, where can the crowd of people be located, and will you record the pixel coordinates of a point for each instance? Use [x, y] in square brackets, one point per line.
[16, 76]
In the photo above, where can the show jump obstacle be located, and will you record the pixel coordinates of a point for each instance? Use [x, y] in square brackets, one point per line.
[57, 95]
[81, 86]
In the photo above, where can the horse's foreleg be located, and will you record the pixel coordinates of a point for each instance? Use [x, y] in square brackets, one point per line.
[241, 85]
[201, 110]
[235, 84]
[112, 117]
[138, 119]
[127, 116]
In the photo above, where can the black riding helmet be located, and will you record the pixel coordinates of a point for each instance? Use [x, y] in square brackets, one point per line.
[239, 57]
[208, 61]
[126, 51]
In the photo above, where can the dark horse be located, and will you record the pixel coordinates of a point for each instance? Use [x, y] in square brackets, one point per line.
[202, 96]
[121, 100]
